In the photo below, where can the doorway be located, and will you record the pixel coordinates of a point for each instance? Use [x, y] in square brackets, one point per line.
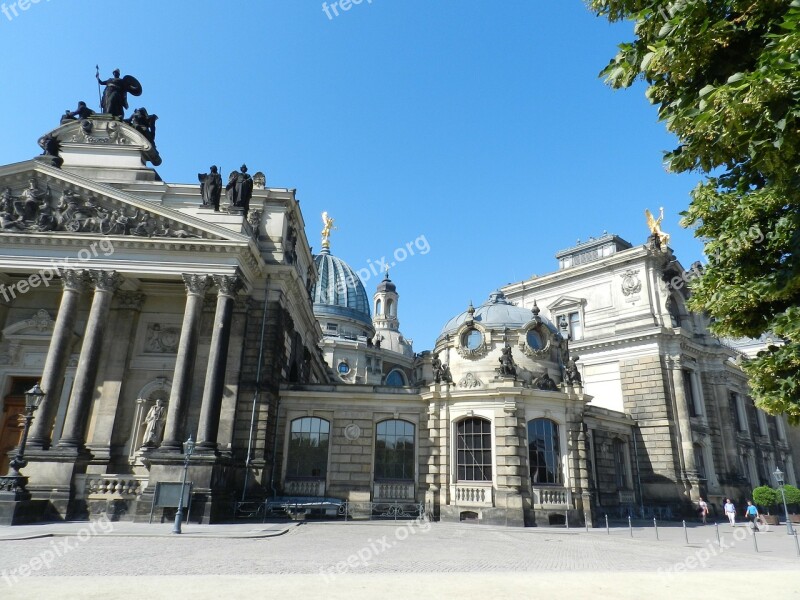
[10, 421]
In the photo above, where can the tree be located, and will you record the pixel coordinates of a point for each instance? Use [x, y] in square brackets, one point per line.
[765, 496]
[792, 494]
[725, 76]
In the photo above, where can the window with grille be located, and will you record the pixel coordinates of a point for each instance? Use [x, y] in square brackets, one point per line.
[474, 450]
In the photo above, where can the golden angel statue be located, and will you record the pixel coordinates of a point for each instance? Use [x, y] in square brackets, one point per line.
[326, 230]
[655, 227]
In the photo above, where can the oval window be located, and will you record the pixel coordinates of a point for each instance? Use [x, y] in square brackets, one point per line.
[472, 339]
[534, 340]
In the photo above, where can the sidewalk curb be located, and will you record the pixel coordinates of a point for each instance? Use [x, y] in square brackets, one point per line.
[191, 535]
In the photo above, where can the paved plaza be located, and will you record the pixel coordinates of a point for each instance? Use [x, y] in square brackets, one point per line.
[392, 559]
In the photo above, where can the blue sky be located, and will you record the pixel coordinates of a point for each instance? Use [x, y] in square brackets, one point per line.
[481, 128]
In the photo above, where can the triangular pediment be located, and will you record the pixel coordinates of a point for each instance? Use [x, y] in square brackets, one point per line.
[37, 199]
[565, 302]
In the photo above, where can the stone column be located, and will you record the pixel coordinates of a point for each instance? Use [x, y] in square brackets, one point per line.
[55, 365]
[217, 362]
[726, 424]
[104, 427]
[105, 284]
[686, 445]
[196, 286]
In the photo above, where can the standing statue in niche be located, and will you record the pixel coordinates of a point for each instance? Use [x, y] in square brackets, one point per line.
[114, 100]
[436, 365]
[154, 422]
[571, 374]
[447, 376]
[211, 187]
[240, 189]
[507, 366]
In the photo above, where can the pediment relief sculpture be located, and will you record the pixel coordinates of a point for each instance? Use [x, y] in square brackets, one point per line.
[36, 210]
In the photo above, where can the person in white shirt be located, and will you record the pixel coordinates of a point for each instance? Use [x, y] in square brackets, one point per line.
[730, 510]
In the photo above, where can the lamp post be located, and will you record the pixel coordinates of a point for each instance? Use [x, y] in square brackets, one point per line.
[188, 450]
[779, 478]
[33, 398]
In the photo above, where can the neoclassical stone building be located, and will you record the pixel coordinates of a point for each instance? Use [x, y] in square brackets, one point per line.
[148, 316]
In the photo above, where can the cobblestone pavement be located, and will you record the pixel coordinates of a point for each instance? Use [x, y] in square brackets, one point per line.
[370, 556]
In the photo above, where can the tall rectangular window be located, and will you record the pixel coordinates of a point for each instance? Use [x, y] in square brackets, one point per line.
[474, 449]
[688, 390]
[736, 414]
[620, 466]
[575, 326]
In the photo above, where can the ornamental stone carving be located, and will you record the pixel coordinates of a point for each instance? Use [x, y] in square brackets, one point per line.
[162, 339]
[631, 283]
[352, 432]
[196, 285]
[74, 281]
[229, 285]
[469, 381]
[130, 300]
[105, 281]
[37, 211]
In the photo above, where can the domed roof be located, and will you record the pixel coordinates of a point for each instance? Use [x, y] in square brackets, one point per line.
[339, 291]
[496, 313]
[387, 285]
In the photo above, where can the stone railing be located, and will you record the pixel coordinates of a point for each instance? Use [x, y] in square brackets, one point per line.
[392, 491]
[627, 497]
[472, 494]
[301, 487]
[112, 486]
[552, 497]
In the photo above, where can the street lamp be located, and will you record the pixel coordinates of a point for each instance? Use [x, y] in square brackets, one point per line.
[188, 450]
[779, 478]
[33, 398]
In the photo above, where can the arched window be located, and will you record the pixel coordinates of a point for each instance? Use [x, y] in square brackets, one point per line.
[390, 308]
[379, 307]
[395, 379]
[544, 452]
[474, 447]
[394, 450]
[308, 448]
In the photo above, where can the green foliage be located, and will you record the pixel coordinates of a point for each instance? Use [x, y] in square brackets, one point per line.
[792, 494]
[766, 496]
[725, 76]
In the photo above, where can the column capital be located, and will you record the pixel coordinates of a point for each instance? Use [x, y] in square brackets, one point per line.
[196, 285]
[229, 285]
[674, 362]
[130, 300]
[105, 281]
[74, 280]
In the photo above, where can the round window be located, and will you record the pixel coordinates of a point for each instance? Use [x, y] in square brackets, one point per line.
[534, 340]
[344, 368]
[472, 339]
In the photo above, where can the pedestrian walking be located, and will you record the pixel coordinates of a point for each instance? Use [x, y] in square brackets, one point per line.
[730, 511]
[703, 508]
[751, 514]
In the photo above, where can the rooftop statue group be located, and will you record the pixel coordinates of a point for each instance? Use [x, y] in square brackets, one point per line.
[35, 210]
[238, 190]
[114, 101]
